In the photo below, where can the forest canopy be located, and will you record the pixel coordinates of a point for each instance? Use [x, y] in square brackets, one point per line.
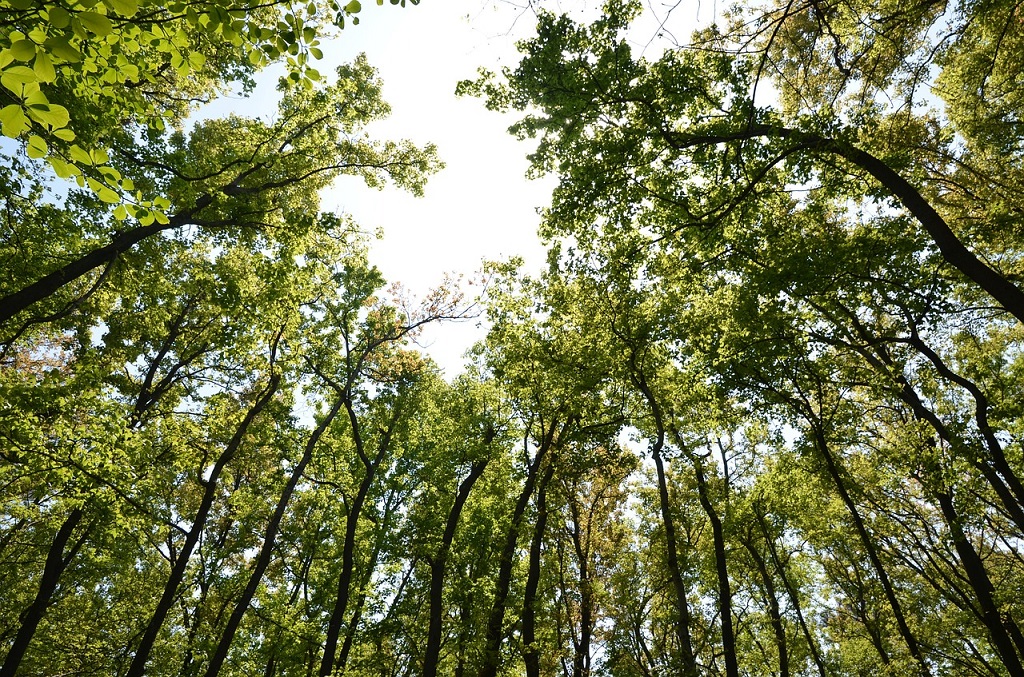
[759, 414]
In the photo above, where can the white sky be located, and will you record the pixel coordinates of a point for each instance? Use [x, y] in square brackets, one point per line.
[480, 206]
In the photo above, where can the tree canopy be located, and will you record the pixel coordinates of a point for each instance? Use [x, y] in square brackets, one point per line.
[759, 414]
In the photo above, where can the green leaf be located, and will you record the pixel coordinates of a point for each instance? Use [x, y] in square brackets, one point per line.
[49, 114]
[78, 154]
[107, 195]
[37, 147]
[121, 213]
[353, 7]
[63, 169]
[44, 68]
[124, 7]
[13, 120]
[15, 77]
[96, 23]
[59, 17]
[64, 134]
[23, 50]
[62, 49]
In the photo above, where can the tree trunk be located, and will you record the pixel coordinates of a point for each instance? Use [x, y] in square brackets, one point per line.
[267, 548]
[432, 652]
[163, 607]
[531, 652]
[496, 619]
[1001, 629]
[56, 563]
[371, 466]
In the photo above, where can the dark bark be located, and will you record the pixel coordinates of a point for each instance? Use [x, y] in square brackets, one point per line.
[47, 285]
[267, 547]
[1001, 629]
[56, 562]
[496, 618]
[531, 652]
[581, 648]
[834, 471]
[432, 652]
[371, 466]
[774, 613]
[794, 599]
[721, 567]
[688, 659]
[163, 607]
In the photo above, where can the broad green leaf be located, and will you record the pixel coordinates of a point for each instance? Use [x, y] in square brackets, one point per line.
[127, 8]
[36, 147]
[78, 154]
[59, 17]
[51, 115]
[96, 23]
[14, 121]
[107, 195]
[64, 134]
[44, 68]
[62, 49]
[16, 77]
[62, 169]
[353, 7]
[23, 50]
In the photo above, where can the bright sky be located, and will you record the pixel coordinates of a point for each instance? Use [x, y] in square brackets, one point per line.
[480, 206]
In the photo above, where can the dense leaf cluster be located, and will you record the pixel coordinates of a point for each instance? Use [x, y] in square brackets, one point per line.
[760, 415]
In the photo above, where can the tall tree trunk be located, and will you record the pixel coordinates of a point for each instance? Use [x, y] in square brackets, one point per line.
[1002, 629]
[794, 599]
[496, 619]
[721, 566]
[688, 658]
[328, 663]
[834, 471]
[432, 652]
[163, 607]
[581, 650]
[267, 548]
[774, 613]
[531, 652]
[56, 562]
